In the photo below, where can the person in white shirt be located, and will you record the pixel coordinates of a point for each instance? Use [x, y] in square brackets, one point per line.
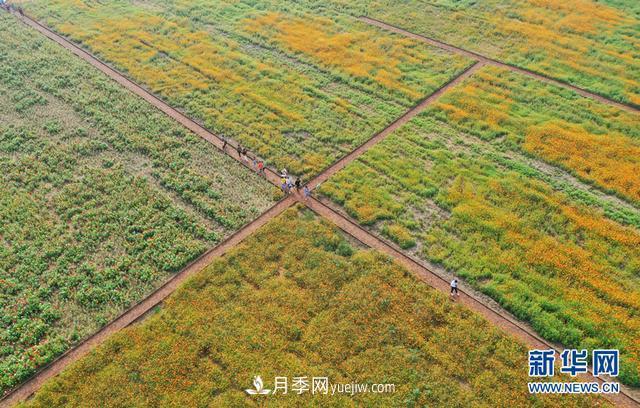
[454, 286]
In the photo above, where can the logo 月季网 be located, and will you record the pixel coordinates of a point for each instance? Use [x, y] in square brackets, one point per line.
[259, 387]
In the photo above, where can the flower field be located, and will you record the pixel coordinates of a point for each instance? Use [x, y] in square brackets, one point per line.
[588, 43]
[526, 191]
[101, 198]
[555, 253]
[248, 74]
[596, 142]
[298, 299]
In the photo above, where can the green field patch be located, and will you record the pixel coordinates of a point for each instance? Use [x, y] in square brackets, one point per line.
[260, 71]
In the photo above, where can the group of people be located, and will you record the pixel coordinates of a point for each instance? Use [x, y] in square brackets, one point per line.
[286, 183]
[243, 154]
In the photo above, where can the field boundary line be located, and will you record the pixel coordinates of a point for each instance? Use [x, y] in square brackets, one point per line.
[393, 126]
[132, 314]
[499, 318]
[272, 175]
[490, 61]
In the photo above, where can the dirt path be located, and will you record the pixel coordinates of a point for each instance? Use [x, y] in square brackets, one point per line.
[490, 61]
[497, 317]
[341, 163]
[26, 389]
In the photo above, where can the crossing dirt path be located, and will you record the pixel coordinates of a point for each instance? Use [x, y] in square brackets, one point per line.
[491, 61]
[495, 315]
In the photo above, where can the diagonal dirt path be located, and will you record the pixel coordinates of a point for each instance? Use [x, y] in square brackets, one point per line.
[271, 175]
[341, 163]
[491, 61]
[498, 317]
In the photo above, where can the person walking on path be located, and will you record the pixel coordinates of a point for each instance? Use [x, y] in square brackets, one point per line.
[239, 150]
[284, 185]
[306, 192]
[298, 184]
[454, 287]
[261, 168]
[224, 144]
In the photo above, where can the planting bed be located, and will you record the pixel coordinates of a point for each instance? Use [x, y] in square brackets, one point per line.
[586, 43]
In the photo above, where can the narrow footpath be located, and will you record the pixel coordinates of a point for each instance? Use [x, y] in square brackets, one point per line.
[131, 315]
[496, 316]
